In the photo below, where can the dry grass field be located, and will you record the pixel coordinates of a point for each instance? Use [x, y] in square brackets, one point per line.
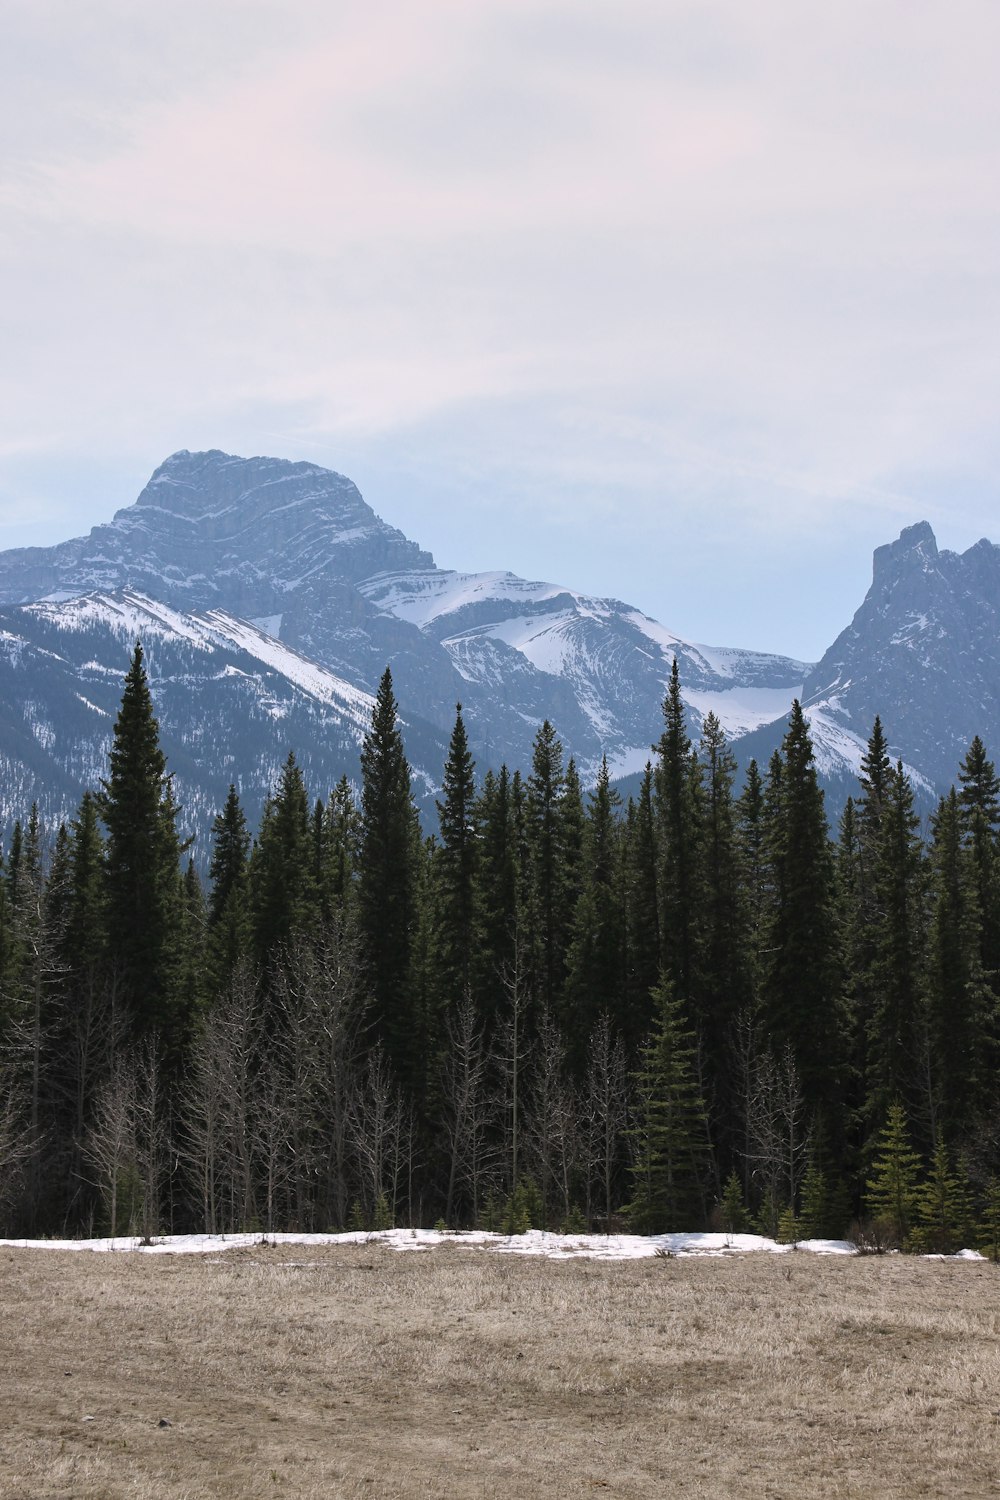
[362, 1372]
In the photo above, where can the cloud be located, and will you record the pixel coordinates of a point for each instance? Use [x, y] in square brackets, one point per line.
[740, 255]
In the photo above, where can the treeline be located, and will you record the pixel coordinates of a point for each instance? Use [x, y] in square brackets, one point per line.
[696, 1009]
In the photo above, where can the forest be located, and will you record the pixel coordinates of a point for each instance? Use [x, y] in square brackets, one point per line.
[704, 1008]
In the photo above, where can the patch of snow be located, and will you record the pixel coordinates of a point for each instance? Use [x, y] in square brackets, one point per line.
[311, 678]
[629, 761]
[269, 624]
[421, 598]
[536, 1242]
[740, 709]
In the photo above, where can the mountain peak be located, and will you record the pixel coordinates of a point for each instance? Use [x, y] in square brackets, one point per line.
[915, 546]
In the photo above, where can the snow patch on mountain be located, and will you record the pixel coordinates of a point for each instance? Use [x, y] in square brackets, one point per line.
[740, 709]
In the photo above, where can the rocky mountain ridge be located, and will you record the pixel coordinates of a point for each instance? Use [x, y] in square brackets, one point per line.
[271, 590]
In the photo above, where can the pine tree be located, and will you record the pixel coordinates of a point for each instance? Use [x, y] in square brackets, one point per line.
[670, 1136]
[283, 896]
[751, 853]
[545, 837]
[496, 893]
[802, 990]
[892, 1192]
[342, 832]
[228, 915]
[387, 886]
[142, 874]
[957, 1005]
[596, 962]
[455, 869]
[678, 808]
[895, 975]
[979, 799]
[642, 916]
[944, 1216]
[988, 1237]
[725, 968]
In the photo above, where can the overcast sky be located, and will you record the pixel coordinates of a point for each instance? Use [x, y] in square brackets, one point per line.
[689, 303]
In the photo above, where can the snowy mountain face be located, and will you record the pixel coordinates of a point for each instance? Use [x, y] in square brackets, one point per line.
[270, 597]
[295, 550]
[597, 668]
[231, 701]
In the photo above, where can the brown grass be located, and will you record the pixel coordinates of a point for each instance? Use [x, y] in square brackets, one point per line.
[360, 1371]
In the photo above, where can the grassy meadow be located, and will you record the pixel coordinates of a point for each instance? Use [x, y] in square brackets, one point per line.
[359, 1371]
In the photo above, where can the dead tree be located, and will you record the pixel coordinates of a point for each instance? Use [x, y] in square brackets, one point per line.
[551, 1120]
[467, 1108]
[604, 1113]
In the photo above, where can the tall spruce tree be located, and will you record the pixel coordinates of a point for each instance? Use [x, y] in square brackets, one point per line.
[228, 916]
[679, 809]
[387, 886]
[726, 991]
[979, 799]
[142, 870]
[283, 895]
[896, 946]
[596, 963]
[455, 870]
[958, 998]
[802, 990]
[497, 892]
[545, 839]
[642, 916]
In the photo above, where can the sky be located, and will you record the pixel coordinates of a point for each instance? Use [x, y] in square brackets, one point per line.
[688, 302]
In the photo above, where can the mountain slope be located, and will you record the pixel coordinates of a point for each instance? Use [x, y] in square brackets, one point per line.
[231, 700]
[295, 549]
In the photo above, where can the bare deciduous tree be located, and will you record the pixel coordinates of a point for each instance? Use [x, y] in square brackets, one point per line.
[468, 1109]
[551, 1120]
[604, 1113]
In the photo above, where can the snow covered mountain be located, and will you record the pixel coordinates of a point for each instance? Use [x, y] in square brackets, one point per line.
[922, 653]
[231, 700]
[270, 597]
[294, 549]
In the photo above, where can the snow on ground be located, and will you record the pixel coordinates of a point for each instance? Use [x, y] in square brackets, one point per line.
[535, 1242]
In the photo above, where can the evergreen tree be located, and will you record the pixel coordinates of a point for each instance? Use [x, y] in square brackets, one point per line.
[342, 832]
[545, 837]
[387, 885]
[670, 1136]
[228, 915]
[892, 1190]
[496, 899]
[957, 1005]
[642, 916]
[595, 981]
[725, 968]
[979, 800]
[896, 948]
[455, 869]
[802, 991]
[678, 807]
[142, 875]
[751, 852]
[944, 1215]
[283, 894]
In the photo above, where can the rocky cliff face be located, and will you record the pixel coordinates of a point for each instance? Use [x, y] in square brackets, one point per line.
[923, 652]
